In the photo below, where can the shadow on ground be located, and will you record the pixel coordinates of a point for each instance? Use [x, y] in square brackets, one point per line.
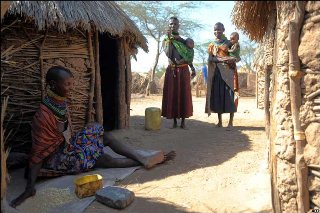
[140, 205]
[202, 145]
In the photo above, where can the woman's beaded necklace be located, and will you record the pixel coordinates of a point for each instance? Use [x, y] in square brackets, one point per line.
[57, 104]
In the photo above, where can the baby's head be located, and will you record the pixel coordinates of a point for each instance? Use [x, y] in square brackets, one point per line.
[234, 37]
[190, 43]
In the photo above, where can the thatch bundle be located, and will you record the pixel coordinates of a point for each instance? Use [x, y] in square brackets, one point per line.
[252, 17]
[105, 16]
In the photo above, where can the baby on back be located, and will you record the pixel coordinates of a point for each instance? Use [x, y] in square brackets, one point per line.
[234, 50]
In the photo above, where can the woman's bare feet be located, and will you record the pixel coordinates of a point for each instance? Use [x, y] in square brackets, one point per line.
[26, 194]
[175, 124]
[183, 125]
[157, 157]
[219, 125]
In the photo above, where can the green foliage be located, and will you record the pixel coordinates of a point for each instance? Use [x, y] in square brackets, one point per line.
[152, 16]
[247, 49]
[201, 52]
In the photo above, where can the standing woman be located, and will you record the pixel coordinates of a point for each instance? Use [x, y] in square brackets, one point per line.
[177, 98]
[221, 87]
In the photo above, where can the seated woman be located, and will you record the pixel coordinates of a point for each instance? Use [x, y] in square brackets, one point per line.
[54, 152]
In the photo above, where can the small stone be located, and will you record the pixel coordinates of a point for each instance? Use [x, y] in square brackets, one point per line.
[115, 197]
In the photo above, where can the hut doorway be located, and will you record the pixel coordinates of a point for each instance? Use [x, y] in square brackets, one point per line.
[109, 71]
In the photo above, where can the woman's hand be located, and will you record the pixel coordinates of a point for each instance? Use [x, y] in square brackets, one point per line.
[193, 74]
[169, 33]
[176, 37]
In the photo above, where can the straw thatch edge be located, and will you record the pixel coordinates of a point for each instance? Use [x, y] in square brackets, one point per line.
[252, 17]
[103, 16]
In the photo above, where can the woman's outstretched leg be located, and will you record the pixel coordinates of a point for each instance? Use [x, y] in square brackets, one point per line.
[147, 159]
[106, 161]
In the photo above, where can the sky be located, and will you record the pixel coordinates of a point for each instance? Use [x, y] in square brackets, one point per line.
[210, 13]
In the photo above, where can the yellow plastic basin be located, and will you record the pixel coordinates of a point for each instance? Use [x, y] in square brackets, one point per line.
[153, 118]
[88, 185]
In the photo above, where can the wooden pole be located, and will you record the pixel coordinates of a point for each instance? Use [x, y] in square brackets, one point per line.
[128, 81]
[92, 80]
[257, 85]
[122, 106]
[4, 7]
[295, 73]
[43, 82]
[267, 99]
[99, 107]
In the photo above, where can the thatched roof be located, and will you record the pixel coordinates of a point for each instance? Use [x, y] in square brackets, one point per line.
[252, 17]
[107, 16]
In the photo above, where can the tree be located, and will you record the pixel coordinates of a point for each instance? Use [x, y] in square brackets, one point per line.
[201, 51]
[152, 19]
[247, 49]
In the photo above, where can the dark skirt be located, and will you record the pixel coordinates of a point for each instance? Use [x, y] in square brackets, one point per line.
[222, 96]
[177, 98]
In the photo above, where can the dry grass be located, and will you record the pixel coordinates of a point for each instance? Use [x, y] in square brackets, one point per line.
[106, 16]
[252, 17]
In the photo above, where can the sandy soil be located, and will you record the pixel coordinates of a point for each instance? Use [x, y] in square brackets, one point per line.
[216, 169]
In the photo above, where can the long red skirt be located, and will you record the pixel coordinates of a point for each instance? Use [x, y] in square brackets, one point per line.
[177, 98]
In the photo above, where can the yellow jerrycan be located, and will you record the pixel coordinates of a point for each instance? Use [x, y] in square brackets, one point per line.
[152, 118]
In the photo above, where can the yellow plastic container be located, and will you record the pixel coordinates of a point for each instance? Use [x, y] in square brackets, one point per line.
[153, 118]
[88, 185]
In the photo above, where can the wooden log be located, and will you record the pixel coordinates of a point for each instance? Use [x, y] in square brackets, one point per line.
[99, 107]
[92, 80]
[314, 166]
[295, 26]
[316, 101]
[316, 108]
[315, 173]
[313, 95]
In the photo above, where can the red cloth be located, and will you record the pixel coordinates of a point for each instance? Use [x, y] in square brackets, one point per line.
[177, 98]
[46, 137]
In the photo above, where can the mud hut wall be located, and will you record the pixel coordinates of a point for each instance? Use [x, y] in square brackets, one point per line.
[21, 73]
[281, 129]
[310, 109]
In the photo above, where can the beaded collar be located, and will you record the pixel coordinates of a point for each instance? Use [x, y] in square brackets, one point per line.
[56, 103]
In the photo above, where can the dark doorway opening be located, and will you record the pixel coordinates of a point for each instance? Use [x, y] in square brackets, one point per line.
[109, 78]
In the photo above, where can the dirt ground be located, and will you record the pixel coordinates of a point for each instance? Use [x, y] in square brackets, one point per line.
[216, 169]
